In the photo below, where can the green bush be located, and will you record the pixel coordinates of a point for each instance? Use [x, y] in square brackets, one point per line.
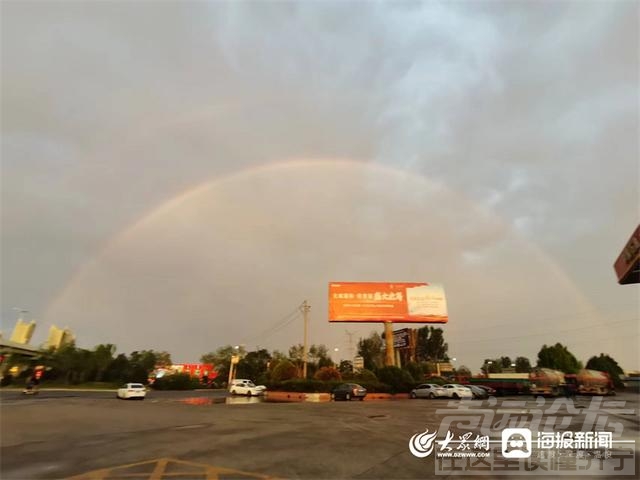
[415, 370]
[178, 381]
[366, 376]
[303, 385]
[399, 380]
[327, 373]
[285, 370]
[318, 386]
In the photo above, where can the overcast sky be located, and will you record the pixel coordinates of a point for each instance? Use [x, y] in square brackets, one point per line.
[182, 175]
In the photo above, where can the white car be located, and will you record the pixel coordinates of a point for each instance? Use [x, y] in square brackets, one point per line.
[242, 386]
[453, 390]
[428, 390]
[132, 390]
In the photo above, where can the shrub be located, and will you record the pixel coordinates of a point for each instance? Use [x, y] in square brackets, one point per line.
[317, 386]
[285, 370]
[304, 385]
[178, 381]
[399, 380]
[415, 370]
[327, 373]
[366, 376]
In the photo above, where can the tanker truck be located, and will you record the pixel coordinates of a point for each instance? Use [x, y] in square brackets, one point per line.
[547, 382]
[594, 382]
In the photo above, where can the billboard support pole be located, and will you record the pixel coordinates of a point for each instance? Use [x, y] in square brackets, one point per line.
[388, 336]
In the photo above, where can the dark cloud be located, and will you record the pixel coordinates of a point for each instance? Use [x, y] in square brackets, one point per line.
[527, 110]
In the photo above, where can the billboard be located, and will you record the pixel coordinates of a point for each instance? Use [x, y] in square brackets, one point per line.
[401, 338]
[627, 265]
[387, 302]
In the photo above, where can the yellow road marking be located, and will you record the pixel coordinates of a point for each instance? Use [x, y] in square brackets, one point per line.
[158, 471]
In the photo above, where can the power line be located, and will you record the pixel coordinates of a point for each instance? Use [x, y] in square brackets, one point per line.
[277, 326]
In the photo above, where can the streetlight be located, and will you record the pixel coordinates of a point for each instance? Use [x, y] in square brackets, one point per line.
[235, 358]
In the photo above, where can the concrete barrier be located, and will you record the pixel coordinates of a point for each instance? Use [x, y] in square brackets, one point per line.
[386, 396]
[326, 397]
[285, 396]
[317, 397]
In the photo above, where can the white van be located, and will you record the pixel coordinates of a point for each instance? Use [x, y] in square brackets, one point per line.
[241, 386]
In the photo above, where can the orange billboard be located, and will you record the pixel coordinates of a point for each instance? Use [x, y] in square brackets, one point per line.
[387, 302]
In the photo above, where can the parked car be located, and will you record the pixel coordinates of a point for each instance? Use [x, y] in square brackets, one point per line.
[132, 390]
[348, 391]
[453, 390]
[478, 392]
[242, 386]
[428, 390]
[490, 391]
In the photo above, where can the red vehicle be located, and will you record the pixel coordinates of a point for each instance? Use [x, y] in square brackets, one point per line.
[501, 383]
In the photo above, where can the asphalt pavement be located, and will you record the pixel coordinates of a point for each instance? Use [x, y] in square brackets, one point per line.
[64, 434]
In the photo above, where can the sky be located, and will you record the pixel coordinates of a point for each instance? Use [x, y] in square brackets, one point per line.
[183, 175]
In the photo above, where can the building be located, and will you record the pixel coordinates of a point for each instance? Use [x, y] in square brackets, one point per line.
[59, 337]
[23, 331]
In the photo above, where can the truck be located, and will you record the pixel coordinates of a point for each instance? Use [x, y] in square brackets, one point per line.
[547, 382]
[594, 382]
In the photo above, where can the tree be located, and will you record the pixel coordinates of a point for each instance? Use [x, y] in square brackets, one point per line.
[254, 364]
[463, 371]
[221, 359]
[430, 345]
[141, 364]
[370, 349]
[346, 368]
[604, 363]
[558, 357]
[285, 370]
[436, 346]
[491, 365]
[118, 368]
[523, 365]
[505, 362]
[319, 355]
[103, 356]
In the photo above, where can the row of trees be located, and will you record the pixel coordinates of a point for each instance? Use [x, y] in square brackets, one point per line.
[430, 347]
[556, 357]
[74, 365]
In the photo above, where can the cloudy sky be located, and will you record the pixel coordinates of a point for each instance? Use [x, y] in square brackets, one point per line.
[182, 175]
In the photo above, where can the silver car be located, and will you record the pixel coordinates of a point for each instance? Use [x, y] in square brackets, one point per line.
[428, 390]
[453, 390]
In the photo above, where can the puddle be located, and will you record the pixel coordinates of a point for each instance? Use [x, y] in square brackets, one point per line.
[203, 401]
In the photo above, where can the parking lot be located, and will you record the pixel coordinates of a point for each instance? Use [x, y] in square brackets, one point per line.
[66, 434]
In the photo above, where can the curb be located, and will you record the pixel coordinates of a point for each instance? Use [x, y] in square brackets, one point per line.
[326, 397]
[106, 390]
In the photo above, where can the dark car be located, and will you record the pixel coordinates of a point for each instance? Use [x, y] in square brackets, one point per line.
[348, 391]
[490, 391]
[478, 392]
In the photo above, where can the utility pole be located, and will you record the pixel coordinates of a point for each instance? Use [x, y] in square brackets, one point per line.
[305, 307]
